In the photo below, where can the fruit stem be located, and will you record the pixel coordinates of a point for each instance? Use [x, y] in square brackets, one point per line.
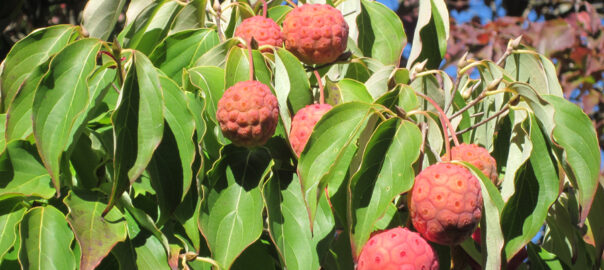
[250, 59]
[321, 92]
[444, 121]
[264, 8]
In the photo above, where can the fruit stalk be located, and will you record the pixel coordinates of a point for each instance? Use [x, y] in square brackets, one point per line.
[321, 91]
[444, 121]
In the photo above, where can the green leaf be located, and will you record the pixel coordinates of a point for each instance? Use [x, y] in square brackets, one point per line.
[138, 124]
[150, 254]
[258, 254]
[135, 7]
[346, 90]
[180, 50]
[22, 172]
[192, 16]
[520, 148]
[431, 34]
[291, 86]
[217, 56]
[99, 17]
[11, 213]
[187, 214]
[536, 190]
[323, 228]
[151, 25]
[27, 54]
[2, 132]
[536, 70]
[45, 240]
[338, 129]
[61, 102]
[231, 211]
[238, 67]
[357, 70]
[19, 124]
[490, 224]
[381, 33]
[277, 13]
[210, 80]
[543, 259]
[289, 229]
[386, 172]
[575, 134]
[377, 84]
[95, 234]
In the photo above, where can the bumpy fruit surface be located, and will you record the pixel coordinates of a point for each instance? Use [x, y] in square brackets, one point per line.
[248, 113]
[477, 156]
[315, 33]
[397, 249]
[445, 203]
[264, 30]
[303, 124]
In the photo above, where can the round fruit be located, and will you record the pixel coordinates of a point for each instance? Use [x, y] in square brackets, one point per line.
[477, 156]
[303, 124]
[399, 249]
[445, 203]
[264, 30]
[248, 113]
[315, 33]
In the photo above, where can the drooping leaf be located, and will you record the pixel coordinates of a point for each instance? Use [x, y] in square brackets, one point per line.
[96, 235]
[536, 190]
[520, 149]
[11, 213]
[99, 17]
[346, 90]
[292, 87]
[150, 254]
[337, 130]
[386, 172]
[289, 230]
[210, 80]
[192, 16]
[377, 84]
[381, 33]
[45, 240]
[61, 102]
[238, 67]
[138, 124]
[536, 70]
[431, 34]
[151, 25]
[231, 211]
[22, 172]
[180, 50]
[217, 56]
[27, 54]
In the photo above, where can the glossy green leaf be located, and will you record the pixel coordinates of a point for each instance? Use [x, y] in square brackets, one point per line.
[180, 50]
[151, 25]
[536, 190]
[143, 220]
[19, 124]
[95, 234]
[386, 172]
[134, 9]
[138, 124]
[289, 229]
[381, 33]
[22, 172]
[520, 149]
[377, 84]
[431, 34]
[536, 70]
[333, 134]
[346, 90]
[277, 13]
[231, 211]
[542, 258]
[238, 67]
[490, 224]
[259, 255]
[575, 134]
[45, 240]
[150, 254]
[291, 85]
[11, 213]
[27, 54]
[99, 17]
[187, 214]
[192, 16]
[357, 70]
[61, 102]
[217, 56]
[210, 80]
[2, 132]
[323, 227]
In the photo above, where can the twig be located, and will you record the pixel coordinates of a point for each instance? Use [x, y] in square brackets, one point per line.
[250, 59]
[291, 3]
[444, 121]
[503, 110]
[321, 92]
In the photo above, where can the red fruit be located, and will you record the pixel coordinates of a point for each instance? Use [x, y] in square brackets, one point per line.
[248, 113]
[264, 30]
[303, 124]
[445, 203]
[477, 156]
[315, 33]
[397, 249]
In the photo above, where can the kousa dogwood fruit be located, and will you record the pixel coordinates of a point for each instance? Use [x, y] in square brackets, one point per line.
[397, 249]
[477, 156]
[303, 123]
[264, 30]
[445, 203]
[248, 113]
[315, 33]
